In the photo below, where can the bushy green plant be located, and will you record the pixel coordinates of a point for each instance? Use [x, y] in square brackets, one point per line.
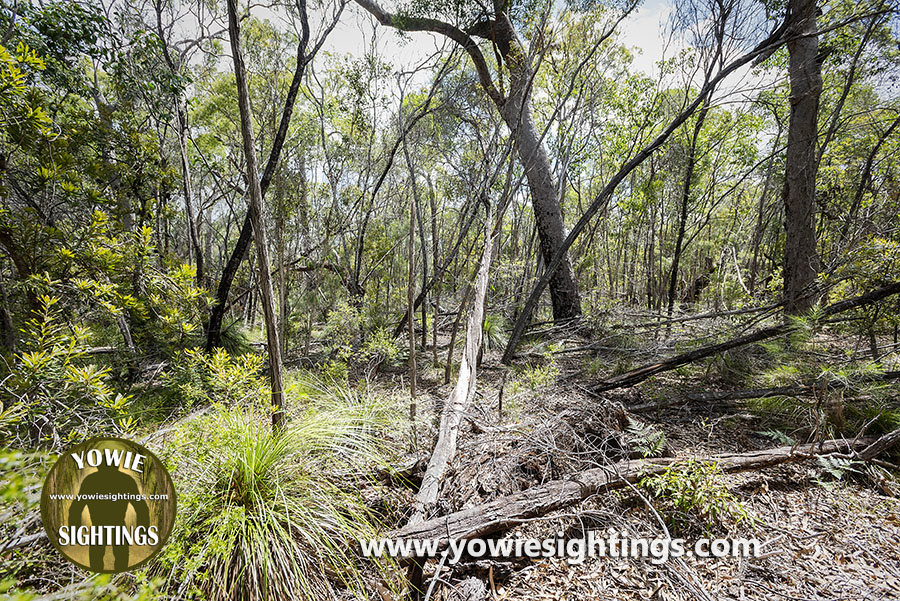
[342, 330]
[196, 377]
[118, 273]
[495, 336]
[645, 439]
[58, 396]
[98, 587]
[692, 494]
[271, 516]
[380, 346]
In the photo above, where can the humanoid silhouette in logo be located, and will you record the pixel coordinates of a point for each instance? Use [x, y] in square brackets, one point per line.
[108, 480]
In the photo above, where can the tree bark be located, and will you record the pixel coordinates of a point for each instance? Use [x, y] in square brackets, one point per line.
[456, 405]
[467, 296]
[257, 218]
[773, 41]
[410, 299]
[193, 236]
[217, 313]
[801, 261]
[685, 203]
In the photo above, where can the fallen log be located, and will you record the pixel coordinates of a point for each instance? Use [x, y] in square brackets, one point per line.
[461, 396]
[642, 373]
[506, 512]
[885, 443]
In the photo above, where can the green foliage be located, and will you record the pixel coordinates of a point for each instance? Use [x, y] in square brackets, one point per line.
[197, 378]
[22, 118]
[342, 330]
[58, 396]
[495, 336]
[693, 494]
[534, 378]
[98, 587]
[645, 439]
[118, 274]
[271, 515]
[879, 416]
[380, 346]
[832, 469]
[778, 436]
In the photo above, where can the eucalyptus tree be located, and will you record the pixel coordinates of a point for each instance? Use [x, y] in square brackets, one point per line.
[801, 260]
[305, 55]
[509, 87]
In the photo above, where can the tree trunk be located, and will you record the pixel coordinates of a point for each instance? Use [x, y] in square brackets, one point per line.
[6, 323]
[411, 310]
[516, 113]
[257, 217]
[545, 201]
[461, 396]
[685, 203]
[193, 236]
[548, 217]
[801, 262]
[214, 326]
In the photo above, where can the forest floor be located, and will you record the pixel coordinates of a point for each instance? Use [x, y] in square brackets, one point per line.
[829, 530]
[828, 534]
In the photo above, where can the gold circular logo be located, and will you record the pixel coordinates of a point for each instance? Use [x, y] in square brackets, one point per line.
[108, 505]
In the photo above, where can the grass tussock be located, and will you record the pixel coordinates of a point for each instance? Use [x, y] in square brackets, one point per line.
[276, 516]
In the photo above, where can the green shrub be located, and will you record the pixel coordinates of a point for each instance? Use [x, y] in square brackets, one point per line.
[495, 336]
[57, 395]
[267, 516]
[342, 330]
[380, 346]
[693, 494]
[197, 378]
[645, 439]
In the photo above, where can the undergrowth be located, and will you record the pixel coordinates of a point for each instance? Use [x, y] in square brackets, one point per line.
[264, 515]
[693, 495]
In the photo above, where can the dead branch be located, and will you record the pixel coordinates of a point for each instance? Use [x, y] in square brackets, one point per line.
[639, 375]
[455, 408]
[506, 512]
[885, 443]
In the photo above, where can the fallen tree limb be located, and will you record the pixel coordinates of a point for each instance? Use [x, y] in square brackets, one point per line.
[642, 373]
[461, 397]
[23, 541]
[885, 443]
[698, 316]
[506, 512]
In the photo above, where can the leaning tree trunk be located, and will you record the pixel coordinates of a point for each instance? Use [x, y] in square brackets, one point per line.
[217, 313]
[685, 204]
[545, 203]
[517, 114]
[515, 109]
[257, 217]
[801, 260]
